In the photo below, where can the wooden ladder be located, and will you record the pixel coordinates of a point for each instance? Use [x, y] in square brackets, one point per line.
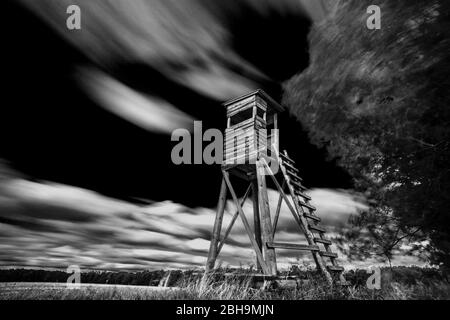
[319, 245]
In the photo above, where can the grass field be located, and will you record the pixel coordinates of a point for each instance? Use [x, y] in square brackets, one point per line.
[396, 284]
[60, 291]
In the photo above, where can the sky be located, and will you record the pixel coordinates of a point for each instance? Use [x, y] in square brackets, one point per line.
[85, 171]
[51, 225]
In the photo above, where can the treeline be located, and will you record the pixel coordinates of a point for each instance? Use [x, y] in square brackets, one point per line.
[405, 275]
[142, 278]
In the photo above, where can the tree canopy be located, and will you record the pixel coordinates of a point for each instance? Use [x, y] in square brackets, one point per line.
[378, 101]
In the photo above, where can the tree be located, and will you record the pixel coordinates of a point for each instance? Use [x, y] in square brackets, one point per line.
[378, 101]
[377, 233]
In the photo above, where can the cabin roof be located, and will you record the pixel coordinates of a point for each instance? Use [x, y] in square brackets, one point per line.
[272, 103]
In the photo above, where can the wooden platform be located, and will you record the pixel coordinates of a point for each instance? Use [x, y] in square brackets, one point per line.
[246, 171]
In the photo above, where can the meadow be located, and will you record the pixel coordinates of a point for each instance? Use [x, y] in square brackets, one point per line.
[398, 283]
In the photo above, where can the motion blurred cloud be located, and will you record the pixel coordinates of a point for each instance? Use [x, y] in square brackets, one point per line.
[159, 33]
[45, 224]
[147, 112]
[165, 33]
[94, 231]
[336, 206]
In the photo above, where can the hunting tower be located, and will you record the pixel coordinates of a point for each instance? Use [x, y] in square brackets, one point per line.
[251, 153]
[252, 129]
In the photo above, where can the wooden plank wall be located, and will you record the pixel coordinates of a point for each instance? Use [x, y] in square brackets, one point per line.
[240, 106]
[244, 143]
[245, 140]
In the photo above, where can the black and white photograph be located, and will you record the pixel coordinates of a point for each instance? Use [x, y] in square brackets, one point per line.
[248, 150]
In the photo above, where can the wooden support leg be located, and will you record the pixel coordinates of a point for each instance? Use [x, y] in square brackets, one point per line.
[256, 218]
[233, 220]
[266, 223]
[215, 237]
[277, 213]
[247, 227]
[301, 221]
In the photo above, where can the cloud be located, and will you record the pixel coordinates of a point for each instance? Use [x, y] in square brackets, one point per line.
[318, 9]
[336, 206]
[45, 224]
[56, 201]
[49, 224]
[162, 33]
[159, 33]
[186, 41]
[147, 112]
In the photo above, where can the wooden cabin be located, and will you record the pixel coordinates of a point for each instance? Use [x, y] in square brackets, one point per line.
[248, 135]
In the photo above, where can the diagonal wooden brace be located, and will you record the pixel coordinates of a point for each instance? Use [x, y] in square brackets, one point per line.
[246, 224]
[233, 220]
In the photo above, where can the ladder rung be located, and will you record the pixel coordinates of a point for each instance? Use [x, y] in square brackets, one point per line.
[285, 156]
[307, 205]
[301, 194]
[290, 166]
[335, 268]
[324, 241]
[292, 246]
[310, 216]
[254, 276]
[328, 254]
[317, 228]
[297, 184]
[294, 176]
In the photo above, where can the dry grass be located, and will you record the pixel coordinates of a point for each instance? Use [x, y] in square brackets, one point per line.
[216, 286]
[59, 291]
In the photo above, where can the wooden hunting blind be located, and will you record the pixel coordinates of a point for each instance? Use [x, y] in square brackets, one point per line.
[251, 152]
[252, 127]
